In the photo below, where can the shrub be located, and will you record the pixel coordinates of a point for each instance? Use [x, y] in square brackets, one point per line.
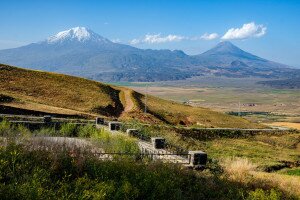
[22, 130]
[68, 130]
[260, 194]
[238, 169]
[87, 131]
[6, 128]
[115, 142]
[46, 131]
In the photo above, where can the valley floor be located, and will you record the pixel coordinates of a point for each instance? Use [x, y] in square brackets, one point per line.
[230, 95]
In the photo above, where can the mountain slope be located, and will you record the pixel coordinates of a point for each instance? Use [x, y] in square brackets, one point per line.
[82, 52]
[224, 53]
[53, 93]
[229, 60]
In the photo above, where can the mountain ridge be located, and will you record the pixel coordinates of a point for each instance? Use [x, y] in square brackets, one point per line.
[80, 51]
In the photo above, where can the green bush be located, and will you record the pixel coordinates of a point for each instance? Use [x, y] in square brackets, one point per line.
[22, 130]
[87, 131]
[6, 128]
[46, 131]
[115, 142]
[260, 194]
[68, 130]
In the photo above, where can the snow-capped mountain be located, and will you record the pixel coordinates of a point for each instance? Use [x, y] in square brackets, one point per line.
[80, 51]
[80, 34]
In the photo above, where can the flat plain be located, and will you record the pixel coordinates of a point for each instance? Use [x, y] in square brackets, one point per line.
[265, 104]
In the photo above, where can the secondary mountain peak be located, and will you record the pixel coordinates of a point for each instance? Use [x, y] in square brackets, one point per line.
[80, 34]
[225, 47]
[225, 43]
[225, 52]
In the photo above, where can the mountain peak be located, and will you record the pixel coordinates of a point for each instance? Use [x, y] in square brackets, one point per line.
[225, 43]
[226, 46]
[80, 34]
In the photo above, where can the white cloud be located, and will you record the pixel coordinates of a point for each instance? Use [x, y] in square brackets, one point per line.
[117, 40]
[246, 31]
[211, 36]
[157, 38]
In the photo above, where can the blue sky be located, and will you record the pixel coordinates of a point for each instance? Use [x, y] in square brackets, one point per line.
[270, 29]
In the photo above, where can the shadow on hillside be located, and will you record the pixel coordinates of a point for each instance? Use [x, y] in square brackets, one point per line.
[111, 110]
[138, 97]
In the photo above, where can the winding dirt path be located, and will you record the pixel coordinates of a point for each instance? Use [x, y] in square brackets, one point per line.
[129, 105]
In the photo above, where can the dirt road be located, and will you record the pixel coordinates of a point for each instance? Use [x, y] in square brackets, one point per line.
[129, 105]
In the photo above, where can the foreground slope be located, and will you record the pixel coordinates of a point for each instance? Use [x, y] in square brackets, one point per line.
[44, 92]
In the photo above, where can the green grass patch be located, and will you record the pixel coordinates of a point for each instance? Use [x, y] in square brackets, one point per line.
[294, 172]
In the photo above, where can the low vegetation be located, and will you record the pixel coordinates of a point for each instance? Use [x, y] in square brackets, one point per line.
[60, 173]
[243, 171]
[268, 150]
[44, 175]
[293, 172]
[100, 138]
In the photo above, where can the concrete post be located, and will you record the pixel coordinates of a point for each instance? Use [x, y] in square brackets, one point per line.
[114, 126]
[99, 121]
[198, 158]
[47, 119]
[158, 142]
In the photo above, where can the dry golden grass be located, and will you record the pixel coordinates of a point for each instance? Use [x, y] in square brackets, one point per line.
[55, 90]
[176, 113]
[238, 168]
[31, 106]
[286, 124]
[289, 184]
[261, 152]
[243, 171]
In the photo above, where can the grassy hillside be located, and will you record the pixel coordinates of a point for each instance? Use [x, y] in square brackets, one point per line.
[57, 91]
[174, 113]
[53, 93]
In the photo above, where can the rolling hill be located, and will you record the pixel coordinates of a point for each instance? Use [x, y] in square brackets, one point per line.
[35, 92]
[80, 51]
